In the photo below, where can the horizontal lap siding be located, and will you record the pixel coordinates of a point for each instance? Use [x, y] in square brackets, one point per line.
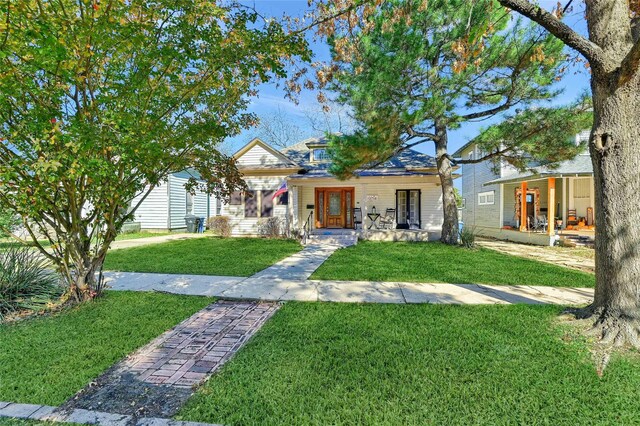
[430, 208]
[473, 178]
[249, 226]
[153, 212]
[178, 202]
[256, 156]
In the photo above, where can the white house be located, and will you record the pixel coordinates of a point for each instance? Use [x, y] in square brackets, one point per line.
[167, 204]
[400, 199]
[557, 200]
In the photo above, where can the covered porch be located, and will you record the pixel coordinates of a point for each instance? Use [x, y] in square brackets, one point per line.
[551, 206]
[406, 207]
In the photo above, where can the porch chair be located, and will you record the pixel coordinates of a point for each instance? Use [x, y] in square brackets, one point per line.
[572, 217]
[386, 221]
[540, 223]
[357, 217]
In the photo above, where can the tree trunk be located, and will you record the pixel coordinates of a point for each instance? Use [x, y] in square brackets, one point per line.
[449, 207]
[615, 154]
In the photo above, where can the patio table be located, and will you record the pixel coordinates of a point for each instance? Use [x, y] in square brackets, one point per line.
[373, 217]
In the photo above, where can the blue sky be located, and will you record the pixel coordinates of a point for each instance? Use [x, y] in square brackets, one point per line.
[271, 97]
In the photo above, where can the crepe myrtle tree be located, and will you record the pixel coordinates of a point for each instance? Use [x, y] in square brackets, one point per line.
[101, 100]
[412, 71]
[612, 49]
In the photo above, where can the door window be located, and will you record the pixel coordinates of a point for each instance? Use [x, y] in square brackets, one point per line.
[334, 203]
[402, 208]
[408, 209]
[414, 209]
[320, 215]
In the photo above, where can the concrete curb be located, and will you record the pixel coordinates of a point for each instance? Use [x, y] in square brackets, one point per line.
[89, 417]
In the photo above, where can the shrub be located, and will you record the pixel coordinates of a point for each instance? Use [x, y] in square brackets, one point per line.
[270, 227]
[8, 222]
[220, 225]
[26, 280]
[468, 237]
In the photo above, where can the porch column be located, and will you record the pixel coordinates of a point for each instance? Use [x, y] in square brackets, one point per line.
[564, 202]
[551, 208]
[523, 207]
[295, 211]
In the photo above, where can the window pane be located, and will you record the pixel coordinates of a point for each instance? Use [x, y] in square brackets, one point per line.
[236, 198]
[402, 208]
[334, 203]
[348, 202]
[320, 217]
[250, 204]
[414, 208]
[266, 204]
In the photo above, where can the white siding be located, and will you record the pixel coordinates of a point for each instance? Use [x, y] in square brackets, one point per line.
[178, 202]
[257, 156]
[153, 212]
[385, 193]
[473, 178]
[249, 226]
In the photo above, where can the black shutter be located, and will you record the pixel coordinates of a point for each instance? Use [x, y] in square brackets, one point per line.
[266, 204]
[250, 204]
[284, 199]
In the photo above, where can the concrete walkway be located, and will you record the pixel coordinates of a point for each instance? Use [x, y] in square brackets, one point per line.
[276, 289]
[543, 254]
[138, 242]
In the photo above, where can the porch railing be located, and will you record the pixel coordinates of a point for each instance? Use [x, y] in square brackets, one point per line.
[306, 228]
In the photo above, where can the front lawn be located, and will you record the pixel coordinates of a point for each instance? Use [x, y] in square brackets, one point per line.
[240, 257]
[436, 262]
[318, 363]
[141, 234]
[47, 360]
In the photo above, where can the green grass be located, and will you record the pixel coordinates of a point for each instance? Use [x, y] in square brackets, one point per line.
[47, 360]
[416, 364]
[240, 257]
[141, 234]
[436, 262]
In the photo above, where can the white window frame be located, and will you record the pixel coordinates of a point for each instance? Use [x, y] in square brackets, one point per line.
[487, 198]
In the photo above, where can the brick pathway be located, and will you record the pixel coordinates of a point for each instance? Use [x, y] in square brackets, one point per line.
[157, 379]
[199, 346]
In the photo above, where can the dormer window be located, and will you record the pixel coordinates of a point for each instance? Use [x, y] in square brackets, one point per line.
[319, 154]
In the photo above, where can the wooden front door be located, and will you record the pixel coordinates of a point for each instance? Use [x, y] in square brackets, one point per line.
[334, 207]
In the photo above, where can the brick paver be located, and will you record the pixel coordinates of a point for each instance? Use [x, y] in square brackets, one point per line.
[156, 380]
[200, 345]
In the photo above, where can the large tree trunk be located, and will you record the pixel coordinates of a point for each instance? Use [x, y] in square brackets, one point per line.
[449, 207]
[615, 153]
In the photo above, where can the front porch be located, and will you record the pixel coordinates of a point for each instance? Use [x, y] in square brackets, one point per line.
[384, 208]
[546, 209]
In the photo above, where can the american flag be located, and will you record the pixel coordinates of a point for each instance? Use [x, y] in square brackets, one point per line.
[281, 190]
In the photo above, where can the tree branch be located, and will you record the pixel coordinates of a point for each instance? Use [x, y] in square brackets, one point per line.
[587, 48]
[630, 63]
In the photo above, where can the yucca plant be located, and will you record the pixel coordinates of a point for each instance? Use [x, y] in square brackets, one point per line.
[27, 281]
[468, 237]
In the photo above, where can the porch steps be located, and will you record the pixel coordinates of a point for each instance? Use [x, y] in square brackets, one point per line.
[341, 238]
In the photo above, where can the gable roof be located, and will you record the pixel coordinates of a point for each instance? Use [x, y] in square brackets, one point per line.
[408, 159]
[579, 166]
[280, 160]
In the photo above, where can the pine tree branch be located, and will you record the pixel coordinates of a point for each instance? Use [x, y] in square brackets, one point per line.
[571, 38]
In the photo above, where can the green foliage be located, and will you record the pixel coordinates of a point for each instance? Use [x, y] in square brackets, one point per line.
[407, 70]
[468, 237]
[26, 281]
[8, 222]
[436, 262]
[543, 135]
[46, 360]
[101, 101]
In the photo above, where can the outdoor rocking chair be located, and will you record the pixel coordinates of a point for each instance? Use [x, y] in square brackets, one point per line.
[386, 221]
